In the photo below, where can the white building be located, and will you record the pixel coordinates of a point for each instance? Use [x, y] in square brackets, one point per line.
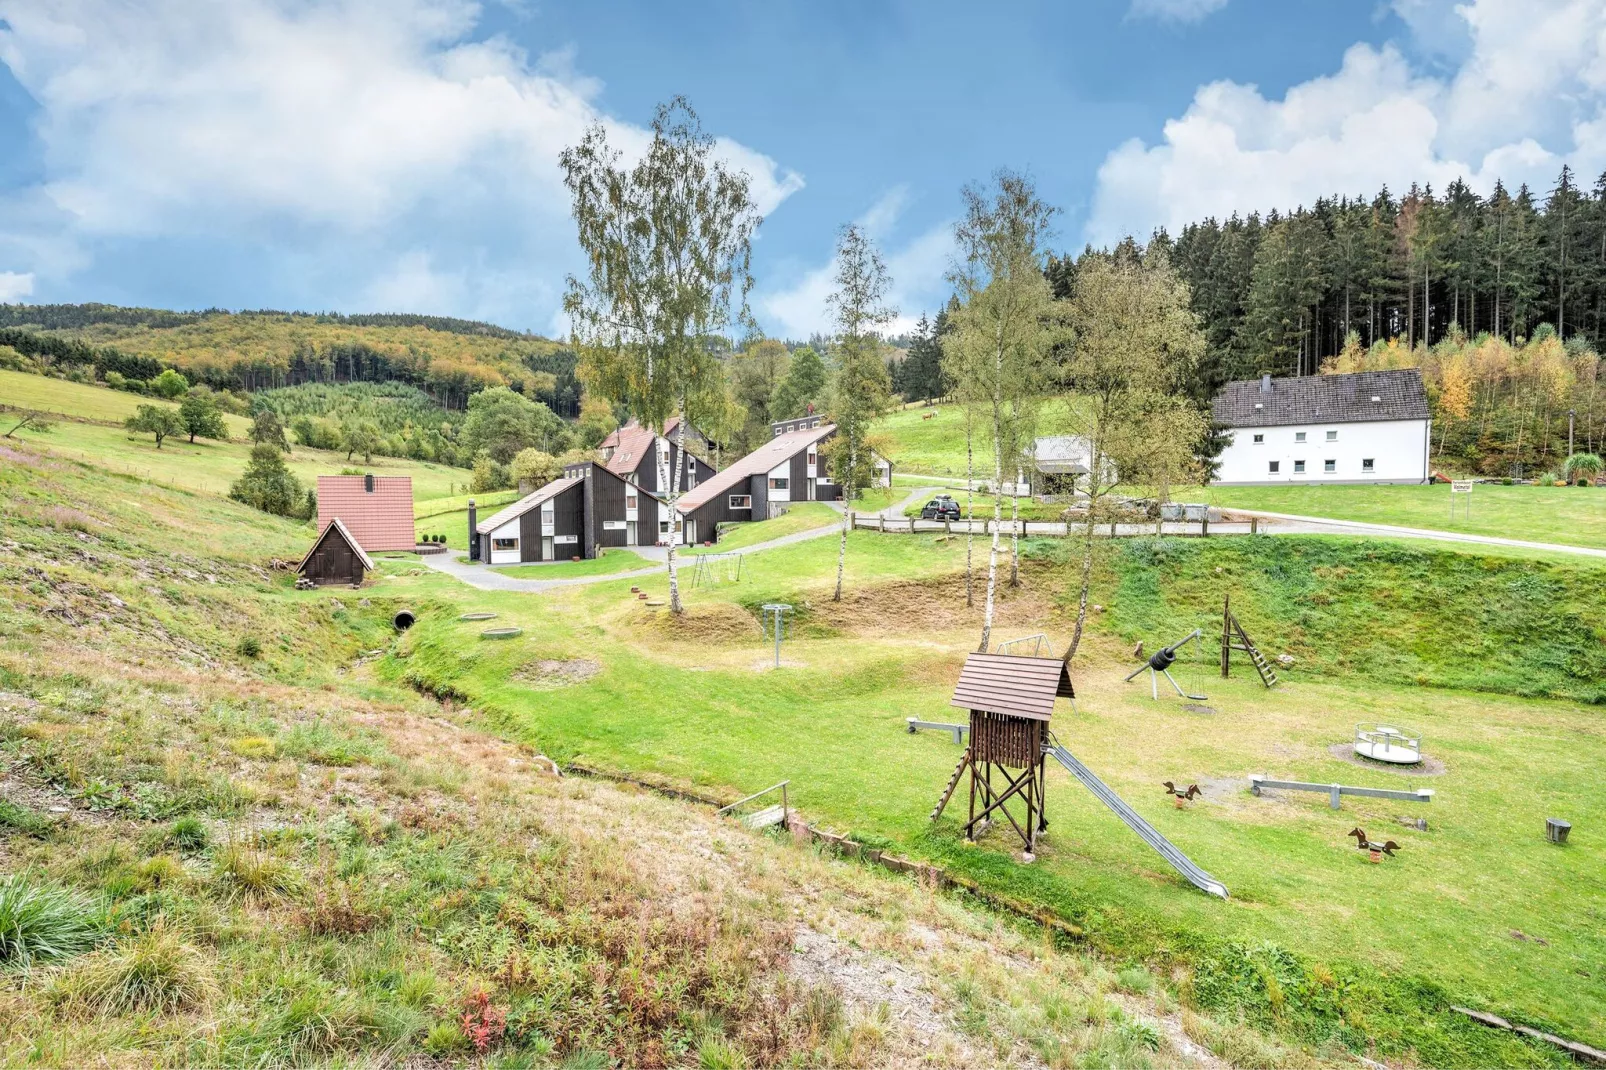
[1367, 427]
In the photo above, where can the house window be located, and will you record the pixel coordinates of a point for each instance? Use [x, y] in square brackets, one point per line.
[1367, 465]
[1299, 436]
[779, 483]
[1332, 436]
[741, 501]
[504, 544]
[663, 527]
[1259, 439]
[814, 458]
[1299, 466]
[1273, 467]
[630, 499]
[1329, 465]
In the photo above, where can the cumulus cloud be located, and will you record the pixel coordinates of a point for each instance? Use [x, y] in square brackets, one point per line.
[1528, 93]
[916, 268]
[14, 286]
[1175, 10]
[354, 128]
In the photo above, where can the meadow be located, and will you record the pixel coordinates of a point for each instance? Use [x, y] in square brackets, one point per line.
[1479, 908]
[227, 841]
[204, 465]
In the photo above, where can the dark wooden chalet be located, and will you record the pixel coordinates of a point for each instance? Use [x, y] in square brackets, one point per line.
[1010, 700]
[617, 512]
[787, 468]
[335, 557]
[632, 453]
[544, 526]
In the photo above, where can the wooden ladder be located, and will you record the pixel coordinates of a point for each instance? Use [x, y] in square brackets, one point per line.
[1233, 637]
[953, 782]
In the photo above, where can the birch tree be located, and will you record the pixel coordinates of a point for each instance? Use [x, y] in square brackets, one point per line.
[668, 248]
[1136, 343]
[1004, 329]
[859, 384]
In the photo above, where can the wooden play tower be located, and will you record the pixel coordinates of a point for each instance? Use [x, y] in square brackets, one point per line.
[1010, 700]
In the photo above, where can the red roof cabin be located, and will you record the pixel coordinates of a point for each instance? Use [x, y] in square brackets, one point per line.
[377, 511]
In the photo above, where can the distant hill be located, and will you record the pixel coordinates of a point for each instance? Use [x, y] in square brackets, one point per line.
[447, 358]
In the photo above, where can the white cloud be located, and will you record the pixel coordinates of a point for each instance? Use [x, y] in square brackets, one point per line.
[1528, 94]
[915, 268]
[1175, 10]
[363, 126]
[14, 286]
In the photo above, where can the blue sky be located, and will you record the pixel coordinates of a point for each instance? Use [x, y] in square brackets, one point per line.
[400, 155]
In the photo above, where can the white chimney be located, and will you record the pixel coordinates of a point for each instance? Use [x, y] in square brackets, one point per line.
[1265, 384]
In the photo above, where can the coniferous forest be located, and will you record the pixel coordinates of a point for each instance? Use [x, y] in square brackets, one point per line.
[1500, 300]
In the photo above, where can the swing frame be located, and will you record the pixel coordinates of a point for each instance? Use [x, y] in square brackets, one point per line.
[1196, 637]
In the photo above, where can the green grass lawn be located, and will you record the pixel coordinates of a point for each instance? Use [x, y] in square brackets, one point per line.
[698, 708]
[86, 401]
[210, 467]
[611, 561]
[487, 503]
[1571, 516]
[932, 441]
[804, 516]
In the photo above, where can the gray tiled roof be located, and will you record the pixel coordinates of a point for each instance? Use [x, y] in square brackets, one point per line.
[1323, 399]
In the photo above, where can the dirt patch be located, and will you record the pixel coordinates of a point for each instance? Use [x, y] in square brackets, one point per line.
[1426, 767]
[868, 982]
[716, 622]
[933, 605]
[547, 674]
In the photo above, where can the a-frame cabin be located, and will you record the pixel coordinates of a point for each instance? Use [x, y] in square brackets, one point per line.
[336, 557]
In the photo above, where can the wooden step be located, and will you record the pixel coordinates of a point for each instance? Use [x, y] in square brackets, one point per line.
[761, 819]
[953, 782]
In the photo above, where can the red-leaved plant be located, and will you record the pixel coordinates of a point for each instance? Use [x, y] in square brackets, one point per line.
[483, 1022]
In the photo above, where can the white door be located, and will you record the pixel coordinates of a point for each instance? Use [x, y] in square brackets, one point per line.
[691, 533]
[546, 548]
[630, 533]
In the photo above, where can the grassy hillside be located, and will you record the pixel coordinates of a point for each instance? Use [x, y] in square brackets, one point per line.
[205, 466]
[226, 842]
[696, 703]
[932, 441]
[1569, 516]
[84, 401]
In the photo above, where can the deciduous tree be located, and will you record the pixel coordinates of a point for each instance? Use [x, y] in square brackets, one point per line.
[200, 415]
[859, 385]
[158, 420]
[668, 248]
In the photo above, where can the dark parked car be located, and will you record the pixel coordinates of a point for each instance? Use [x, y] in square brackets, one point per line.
[940, 508]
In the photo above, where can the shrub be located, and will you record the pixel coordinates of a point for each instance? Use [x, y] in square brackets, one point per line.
[249, 647]
[267, 483]
[41, 922]
[170, 384]
[155, 971]
[1582, 467]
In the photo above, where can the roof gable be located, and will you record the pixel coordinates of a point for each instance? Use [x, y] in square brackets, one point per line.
[1312, 399]
[526, 503]
[379, 519]
[761, 460]
[336, 530]
[1019, 687]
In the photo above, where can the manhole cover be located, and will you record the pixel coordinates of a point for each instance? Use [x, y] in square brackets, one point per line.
[477, 616]
[501, 633]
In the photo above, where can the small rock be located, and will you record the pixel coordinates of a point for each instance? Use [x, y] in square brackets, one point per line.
[1285, 659]
[114, 600]
[210, 578]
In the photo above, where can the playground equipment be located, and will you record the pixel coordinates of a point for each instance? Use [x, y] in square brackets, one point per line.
[776, 610]
[1010, 700]
[712, 570]
[773, 814]
[1181, 796]
[1257, 783]
[1378, 850]
[1233, 637]
[959, 730]
[1556, 829]
[1018, 647]
[1386, 743]
[1159, 664]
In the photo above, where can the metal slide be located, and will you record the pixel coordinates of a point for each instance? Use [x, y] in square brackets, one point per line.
[1168, 850]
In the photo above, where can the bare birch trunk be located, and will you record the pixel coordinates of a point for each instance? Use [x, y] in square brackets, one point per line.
[998, 505]
[673, 496]
[847, 521]
[970, 512]
[1087, 572]
[1014, 533]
